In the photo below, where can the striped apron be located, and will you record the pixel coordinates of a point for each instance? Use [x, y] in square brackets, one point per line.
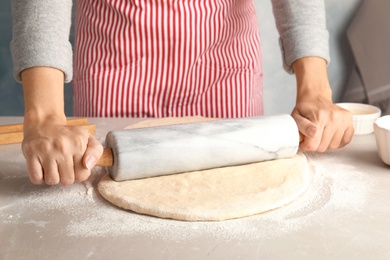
[160, 58]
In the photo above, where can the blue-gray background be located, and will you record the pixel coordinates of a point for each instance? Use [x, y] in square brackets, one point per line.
[279, 87]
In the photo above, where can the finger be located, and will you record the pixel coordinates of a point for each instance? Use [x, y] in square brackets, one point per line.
[336, 140]
[312, 134]
[66, 171]
[50, 172]
[81, 173]
[33, 164]
[93, 152]
[347, 138]
[324, 140]
[313, 143]
[84, 164]
[305, 126]
[34, 171]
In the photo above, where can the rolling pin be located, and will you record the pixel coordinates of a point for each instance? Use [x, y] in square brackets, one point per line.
[148, 152]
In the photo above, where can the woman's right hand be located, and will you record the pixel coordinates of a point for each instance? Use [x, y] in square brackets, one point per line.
[57, 153]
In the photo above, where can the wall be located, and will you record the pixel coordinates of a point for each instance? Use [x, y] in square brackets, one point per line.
[11, 98]
[279, 87]
[11, 94]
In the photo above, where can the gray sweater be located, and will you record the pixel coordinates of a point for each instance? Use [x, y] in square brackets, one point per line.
[41, 31]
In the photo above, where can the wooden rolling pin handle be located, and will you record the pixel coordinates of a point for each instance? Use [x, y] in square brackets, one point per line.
[107, 158]
[19, 127]
[17, 137]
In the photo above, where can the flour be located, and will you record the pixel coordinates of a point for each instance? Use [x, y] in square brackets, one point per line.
[336, 188]
[41, 224]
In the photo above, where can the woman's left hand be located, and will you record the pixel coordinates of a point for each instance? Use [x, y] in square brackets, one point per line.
[324, 125]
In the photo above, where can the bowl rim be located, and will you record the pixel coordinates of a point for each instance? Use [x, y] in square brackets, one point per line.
[376, 111]
[379, 124]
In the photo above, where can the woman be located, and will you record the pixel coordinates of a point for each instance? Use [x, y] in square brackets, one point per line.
[149, 58]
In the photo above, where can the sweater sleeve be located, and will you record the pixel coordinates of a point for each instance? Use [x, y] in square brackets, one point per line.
[41, 30]
[302, 28]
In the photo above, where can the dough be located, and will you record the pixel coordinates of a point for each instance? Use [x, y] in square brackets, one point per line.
[211, 195]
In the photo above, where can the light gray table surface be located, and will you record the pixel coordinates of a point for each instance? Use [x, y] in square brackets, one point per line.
[345, 214]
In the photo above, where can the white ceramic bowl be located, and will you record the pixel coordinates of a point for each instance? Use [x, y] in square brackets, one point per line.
[382, 137]
[363, 115]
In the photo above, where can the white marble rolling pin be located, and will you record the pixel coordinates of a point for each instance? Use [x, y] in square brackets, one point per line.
[154, 151]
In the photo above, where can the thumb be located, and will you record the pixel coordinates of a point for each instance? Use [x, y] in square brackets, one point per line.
[305, 126]
[93, 152]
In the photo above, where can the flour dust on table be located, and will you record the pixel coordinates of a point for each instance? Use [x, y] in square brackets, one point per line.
[336, 190]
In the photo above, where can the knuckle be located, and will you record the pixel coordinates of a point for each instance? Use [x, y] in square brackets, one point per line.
[99, 148]
[60, 144]
[27, 148]
[82, 176]
[309, 147]
[333, 146]
[323, 115]
[34, 179]
[345, 141]
[322, 148]
[67, 181]
[79, 143]
[44, 145]
[50, 179]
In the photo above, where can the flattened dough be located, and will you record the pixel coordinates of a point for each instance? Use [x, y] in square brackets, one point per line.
[212, 195]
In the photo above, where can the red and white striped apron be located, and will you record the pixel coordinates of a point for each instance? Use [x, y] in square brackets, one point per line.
[160, 58]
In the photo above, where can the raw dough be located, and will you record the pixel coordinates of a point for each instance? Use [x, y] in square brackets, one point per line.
[210, 195]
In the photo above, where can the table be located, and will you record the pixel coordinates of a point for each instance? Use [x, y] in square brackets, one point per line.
[345, 214]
